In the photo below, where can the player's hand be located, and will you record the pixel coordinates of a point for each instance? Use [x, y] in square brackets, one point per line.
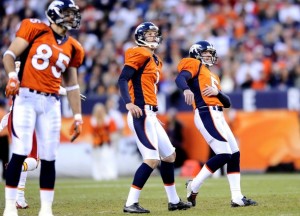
[13, 85]
[82, 97]
[76, 127]
[210, 91]
[135, 111]
[188, 96]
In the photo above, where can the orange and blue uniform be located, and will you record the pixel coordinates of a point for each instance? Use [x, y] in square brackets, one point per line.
[138, 85]
[46, 57]
[36, 109]
[200, 77]
[143, 84]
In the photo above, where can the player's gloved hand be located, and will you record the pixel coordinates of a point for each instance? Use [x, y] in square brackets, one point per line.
[13, 85]
[188, 96]
[76, 127]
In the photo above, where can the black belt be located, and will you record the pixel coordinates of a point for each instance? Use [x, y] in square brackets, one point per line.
[43, 93]
[206, 108]
[152, 108]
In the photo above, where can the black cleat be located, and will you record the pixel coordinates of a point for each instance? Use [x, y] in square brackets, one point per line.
[243, 202]
[179, 206]
[191, 196]
[135, 208]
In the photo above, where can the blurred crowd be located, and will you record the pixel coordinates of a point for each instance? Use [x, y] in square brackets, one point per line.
[257, 42]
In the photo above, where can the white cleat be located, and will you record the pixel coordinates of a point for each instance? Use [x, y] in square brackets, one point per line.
[21, 204]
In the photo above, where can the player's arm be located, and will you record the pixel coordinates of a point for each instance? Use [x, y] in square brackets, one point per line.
[15, 49]
[181, 82]
[213, 91]
[125, 76]
[73, 95]
[225, 100]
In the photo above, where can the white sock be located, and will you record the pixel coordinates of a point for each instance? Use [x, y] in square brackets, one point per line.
[234, 180]
[10, 199]
[47, 198]
[10, 193]
[21, 187]
[172, 194]
[10, 205]
[46, 207]
[200, 178]
[133, 196]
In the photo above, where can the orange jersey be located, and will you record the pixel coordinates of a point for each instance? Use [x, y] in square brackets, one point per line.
[143, 85]
[201, 76]
[44, 61]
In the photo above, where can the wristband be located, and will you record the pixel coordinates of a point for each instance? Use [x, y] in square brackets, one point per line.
[12, 74]
[78, 117]
[8, 52]
[71, 88]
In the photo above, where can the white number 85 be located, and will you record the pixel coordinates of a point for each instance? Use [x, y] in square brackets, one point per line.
[44, 52]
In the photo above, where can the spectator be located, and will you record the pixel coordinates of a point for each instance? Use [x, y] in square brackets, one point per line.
[104, 165]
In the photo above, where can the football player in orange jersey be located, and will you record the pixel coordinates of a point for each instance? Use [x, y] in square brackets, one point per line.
[201, 88]
[138, 86]
[32, 161]
[47, 55]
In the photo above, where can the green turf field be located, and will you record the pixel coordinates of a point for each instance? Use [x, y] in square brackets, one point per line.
[277, 194]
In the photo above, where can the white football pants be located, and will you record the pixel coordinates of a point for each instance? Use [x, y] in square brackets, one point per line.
[39, 113]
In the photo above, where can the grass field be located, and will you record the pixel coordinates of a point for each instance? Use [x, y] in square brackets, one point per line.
[277, 194]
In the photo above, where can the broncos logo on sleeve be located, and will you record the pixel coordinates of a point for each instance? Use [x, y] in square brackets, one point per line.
[46, 58]
[143, 85]
[201, 76]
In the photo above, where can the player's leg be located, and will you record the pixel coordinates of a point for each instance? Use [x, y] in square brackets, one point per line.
[4, 154]
[48, 138]
[22, 126]
[168, 156]
[210, 126]
[233, 173]
[146, 139]
[4, 144]
[20, 201]
[30, 164]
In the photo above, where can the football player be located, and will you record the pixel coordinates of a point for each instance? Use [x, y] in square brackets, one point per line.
[47, 55]
[138, 86]
[201, 88]
[32, 161]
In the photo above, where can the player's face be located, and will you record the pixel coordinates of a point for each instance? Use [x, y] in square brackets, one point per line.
[207, 56]
[151, 36]
[69, 16]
